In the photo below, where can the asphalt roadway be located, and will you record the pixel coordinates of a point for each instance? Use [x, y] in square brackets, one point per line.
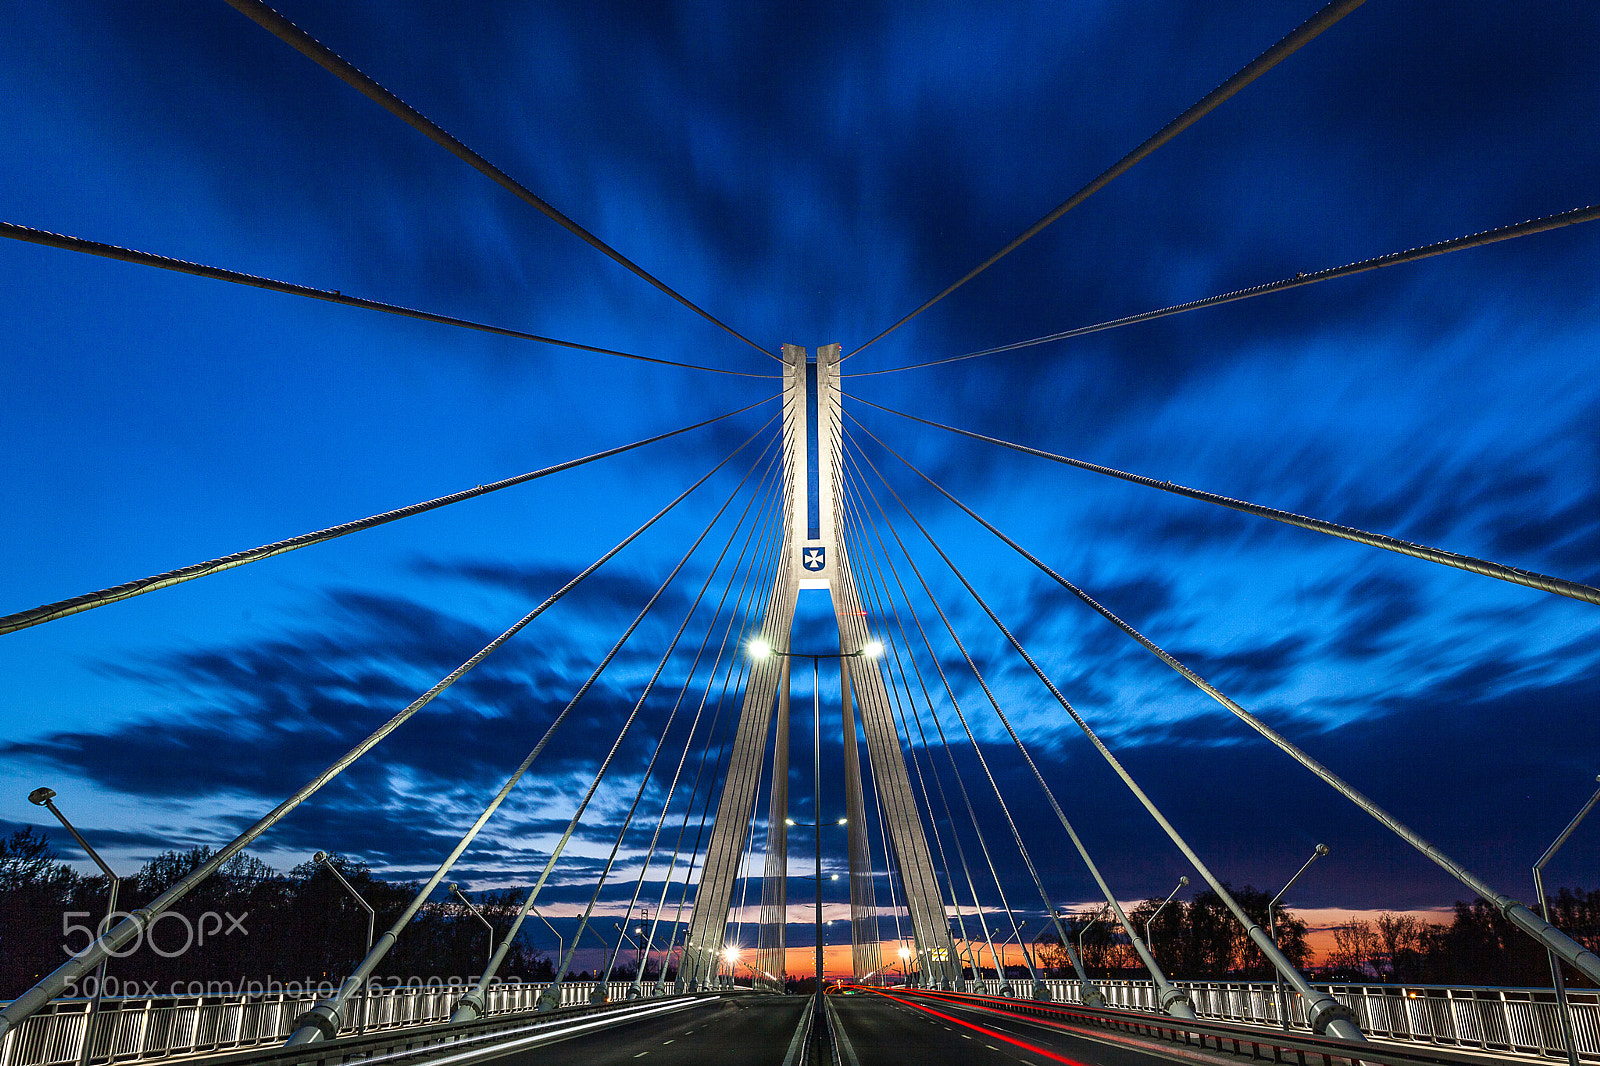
[741, 1029]
[899, 1029]
[882, 1029]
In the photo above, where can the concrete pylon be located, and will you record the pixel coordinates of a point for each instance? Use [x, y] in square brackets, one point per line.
[815, 557]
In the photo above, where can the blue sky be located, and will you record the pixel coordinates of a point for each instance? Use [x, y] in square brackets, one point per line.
[808, 173]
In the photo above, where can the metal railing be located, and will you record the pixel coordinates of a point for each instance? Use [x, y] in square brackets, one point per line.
[137, 1029]
[1518, 1021]
[1259, 1043]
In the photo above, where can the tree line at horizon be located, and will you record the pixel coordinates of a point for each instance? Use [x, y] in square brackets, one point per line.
[1200, 940]
[303, 926]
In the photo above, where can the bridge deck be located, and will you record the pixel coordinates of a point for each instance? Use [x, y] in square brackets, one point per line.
[899, 1031]
[751, 1030]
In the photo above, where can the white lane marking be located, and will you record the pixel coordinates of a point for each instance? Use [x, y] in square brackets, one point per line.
[545, 1035]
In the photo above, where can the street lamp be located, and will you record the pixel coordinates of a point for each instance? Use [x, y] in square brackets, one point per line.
[455, 890]
[44, 797]
[761, 649]
[1272, 928]
[1005, 981]
[624, 934]
[372, 917]
[561, 942]
[1148, 943]
[322, 858]
[1098, 915]
[666, 959]
[1559, 982]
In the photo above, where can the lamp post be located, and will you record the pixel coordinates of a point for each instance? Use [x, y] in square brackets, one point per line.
[1098, 915]
[372, 916]
[1558, 982]
[666, 958]
[817, 876]
[44, 797]
[1005, 980]
[638, 931]
[624, 934]
[1182, 881]
[730, 956]
[561, 941]
[455, 890]
[1272, 928]
[760, 649]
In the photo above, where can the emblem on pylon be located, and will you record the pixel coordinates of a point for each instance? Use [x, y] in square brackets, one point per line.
[814, 558]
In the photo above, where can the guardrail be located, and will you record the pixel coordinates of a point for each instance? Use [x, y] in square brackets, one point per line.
[1518, 1021]
[1274, 1045]
[460, 1042]
[137, 1029]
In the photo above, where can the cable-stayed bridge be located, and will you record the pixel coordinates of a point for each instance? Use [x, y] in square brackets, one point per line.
[822, 502]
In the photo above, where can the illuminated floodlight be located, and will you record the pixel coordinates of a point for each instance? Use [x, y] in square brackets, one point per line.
[835, 877]
[760, 649]
[788, 821]
[905, 953]
[844, 821]
[731, 954]
[873, 649]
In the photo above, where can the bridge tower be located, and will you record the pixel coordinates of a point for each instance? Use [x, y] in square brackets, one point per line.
[815, 557]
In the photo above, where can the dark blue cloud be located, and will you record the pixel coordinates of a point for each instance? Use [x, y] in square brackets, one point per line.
[810, 174]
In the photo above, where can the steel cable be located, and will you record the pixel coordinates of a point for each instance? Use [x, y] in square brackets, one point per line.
[1301, 35]
[334, 296]
[753, 563]
[1532, 924]
[943, 743]
[611, 653]
[1325, 1013]
[1528, 578]
[852, 521]
[90, 600]
[1426, 251]
[51, 985]
[1092, 994]
[326, 58]
[323, 1021]
[761, 488]
[724, 750]
[666, 728]
[1172, 999]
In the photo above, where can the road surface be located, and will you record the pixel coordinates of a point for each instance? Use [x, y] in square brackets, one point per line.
[742, 1029]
